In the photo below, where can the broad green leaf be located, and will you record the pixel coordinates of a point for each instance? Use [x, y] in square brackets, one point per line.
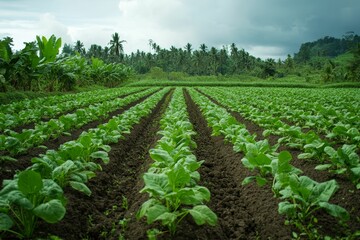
[248, 180]
[102, 155]
[282, 163]
[305, 155]
[5, 222]
[202, 214]
[287, 208]
[355, 171]
[348, 149]
[52, 211]
[19, 199]
[154, 212]
[330, 151]
[322, 167]
[202, 193]
[262, 160]
[167, 218]
[156, 184]
[62, 170]
[335, 211]
[260, 181]
[81, 187]
[51, 189]
[285, 156]
[11, 142]
[30, 182]
[178, 176]
[302, 186]
[323, 191]
[187, 196]
[162, 156]
[144, 207]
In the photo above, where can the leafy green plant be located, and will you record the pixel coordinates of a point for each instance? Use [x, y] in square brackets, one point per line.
[343, 161]
[48, 48]
[27, 198]
[171, 200]
[123, 225]
[171, 180]
[303, 197]
[153, 233]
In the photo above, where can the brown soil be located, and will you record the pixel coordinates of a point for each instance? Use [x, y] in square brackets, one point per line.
[7, 169]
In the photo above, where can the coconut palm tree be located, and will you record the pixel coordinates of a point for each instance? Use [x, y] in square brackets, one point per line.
[116, 46]
[79, 47]
[188, 48]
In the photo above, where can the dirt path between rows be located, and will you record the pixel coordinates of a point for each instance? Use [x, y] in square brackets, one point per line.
[245, 212]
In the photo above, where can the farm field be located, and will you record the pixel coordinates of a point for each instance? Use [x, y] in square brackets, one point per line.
[182, 163]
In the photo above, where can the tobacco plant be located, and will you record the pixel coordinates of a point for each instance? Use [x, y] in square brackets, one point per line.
[27, 198]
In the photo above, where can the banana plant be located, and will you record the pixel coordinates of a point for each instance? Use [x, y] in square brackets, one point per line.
[48, 48]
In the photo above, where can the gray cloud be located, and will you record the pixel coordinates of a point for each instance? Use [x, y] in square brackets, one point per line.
[266, 28]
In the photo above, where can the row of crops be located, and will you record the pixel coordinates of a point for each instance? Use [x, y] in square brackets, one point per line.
[321, 125]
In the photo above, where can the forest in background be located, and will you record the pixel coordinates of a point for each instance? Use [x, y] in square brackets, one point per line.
[40, 66]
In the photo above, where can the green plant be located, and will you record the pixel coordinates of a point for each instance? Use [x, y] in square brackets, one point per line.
[48, 48]
[27, 198]
[124, 204]
[343, 161]
[171, 180]
[153, 233]
[303, 197]
[123, 225]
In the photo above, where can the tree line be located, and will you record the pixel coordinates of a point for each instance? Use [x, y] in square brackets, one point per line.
[313, 57]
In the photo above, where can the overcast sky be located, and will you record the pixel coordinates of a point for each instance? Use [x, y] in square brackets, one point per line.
[264, 28]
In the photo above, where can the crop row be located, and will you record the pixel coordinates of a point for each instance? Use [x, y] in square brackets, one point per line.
[171, 181]
[301, 196]
[10, 117]
[15, 143]
[37, 192]
[338, 120]
[343, 160]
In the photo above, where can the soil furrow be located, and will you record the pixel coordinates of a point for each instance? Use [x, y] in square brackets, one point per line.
[8, 169]
[114, 189]
[245, 212]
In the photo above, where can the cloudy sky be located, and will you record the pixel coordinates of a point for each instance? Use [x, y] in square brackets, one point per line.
[265, 28]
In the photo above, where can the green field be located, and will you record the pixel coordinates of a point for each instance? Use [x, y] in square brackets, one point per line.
[218, 162]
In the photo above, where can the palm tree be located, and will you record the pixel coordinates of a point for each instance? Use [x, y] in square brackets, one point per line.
[188, 48]
[203, 48]
[79, 47]
[151, 42]
[116, 44]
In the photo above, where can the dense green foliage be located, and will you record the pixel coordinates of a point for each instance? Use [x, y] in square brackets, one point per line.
[171, 181]
[39, 67]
